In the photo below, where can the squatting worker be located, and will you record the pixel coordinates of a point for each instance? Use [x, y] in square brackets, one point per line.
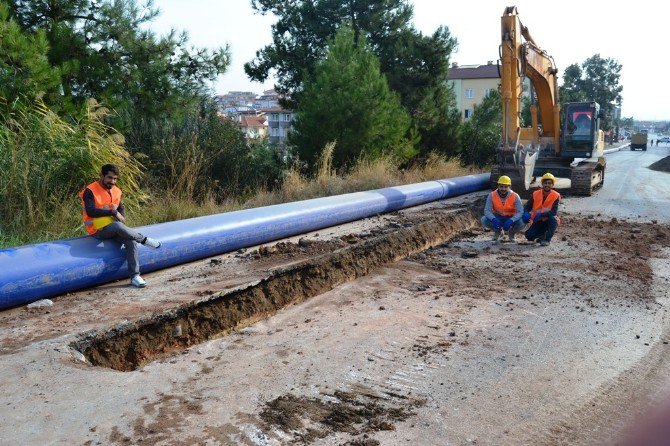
[104, 218]
[542, 209]
[503, 210]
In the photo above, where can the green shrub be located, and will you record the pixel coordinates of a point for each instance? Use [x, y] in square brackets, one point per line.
[45, 161]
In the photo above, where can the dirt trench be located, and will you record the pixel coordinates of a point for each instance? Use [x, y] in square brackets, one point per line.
[129, 346]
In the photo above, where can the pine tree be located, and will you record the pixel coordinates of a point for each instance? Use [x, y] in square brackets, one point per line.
[481, 134]
[103, 52]
[348, 101]
[25, 72]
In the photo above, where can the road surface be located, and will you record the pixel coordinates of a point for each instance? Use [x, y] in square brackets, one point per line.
[462, 343]
[631, 189]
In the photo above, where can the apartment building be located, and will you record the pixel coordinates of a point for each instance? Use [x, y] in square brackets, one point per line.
[235, 99]
[269, 99]
[279, 125]
[471, 84]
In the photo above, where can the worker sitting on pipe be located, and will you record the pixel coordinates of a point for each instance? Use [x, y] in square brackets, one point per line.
[503, 210]
[541, 208]
[104, 218]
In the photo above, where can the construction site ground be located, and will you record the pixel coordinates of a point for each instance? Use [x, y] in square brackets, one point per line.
[410, 328]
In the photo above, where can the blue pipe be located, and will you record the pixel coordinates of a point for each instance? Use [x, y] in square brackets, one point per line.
[33, 272]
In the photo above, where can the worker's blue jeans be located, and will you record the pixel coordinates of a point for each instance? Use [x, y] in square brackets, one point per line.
[543, 230]
[515, 227]
[127, 237]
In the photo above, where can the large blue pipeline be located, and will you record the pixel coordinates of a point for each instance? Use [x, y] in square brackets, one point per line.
[33, 272]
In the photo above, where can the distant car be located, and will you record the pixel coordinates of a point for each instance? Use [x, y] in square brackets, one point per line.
[664, 139]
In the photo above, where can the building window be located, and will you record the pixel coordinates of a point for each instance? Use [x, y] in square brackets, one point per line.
[287, 117]
[468, 93]
[467, 114]
[274, 117]
[487, 91]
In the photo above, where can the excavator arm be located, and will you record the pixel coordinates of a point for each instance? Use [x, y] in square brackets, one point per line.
[521, 58]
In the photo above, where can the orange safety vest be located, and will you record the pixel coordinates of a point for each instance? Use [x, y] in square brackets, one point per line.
[542, 204]
[507, 209]
[104, 199]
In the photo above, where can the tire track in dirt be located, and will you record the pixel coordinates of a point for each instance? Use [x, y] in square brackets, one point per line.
[605, 416]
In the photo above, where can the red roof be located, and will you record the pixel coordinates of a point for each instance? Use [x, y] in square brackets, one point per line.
[252, 121]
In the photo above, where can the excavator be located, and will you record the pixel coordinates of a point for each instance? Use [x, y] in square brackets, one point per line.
[568, 143]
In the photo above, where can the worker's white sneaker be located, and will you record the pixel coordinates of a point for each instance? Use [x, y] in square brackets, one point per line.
[544, 243]
[138, 282]
[151, 243]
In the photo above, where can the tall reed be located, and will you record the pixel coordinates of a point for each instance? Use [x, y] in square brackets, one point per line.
[45, 161]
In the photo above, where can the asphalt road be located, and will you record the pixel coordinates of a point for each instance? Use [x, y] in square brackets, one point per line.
[631, 190]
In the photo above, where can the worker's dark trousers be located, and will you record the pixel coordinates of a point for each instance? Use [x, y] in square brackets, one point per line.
[544, 230]
[127, 237]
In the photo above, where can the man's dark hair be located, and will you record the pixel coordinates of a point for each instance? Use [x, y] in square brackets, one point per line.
[110, 168]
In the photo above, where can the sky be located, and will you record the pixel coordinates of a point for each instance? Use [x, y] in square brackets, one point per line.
[635, 34]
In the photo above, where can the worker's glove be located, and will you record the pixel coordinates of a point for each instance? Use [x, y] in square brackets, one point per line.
[539, 216]
[526, 217]
[495, 223]
[508, 224]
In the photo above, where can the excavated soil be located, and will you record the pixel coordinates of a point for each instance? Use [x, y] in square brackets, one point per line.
[310, 419]
[662, 165]
[131, 345]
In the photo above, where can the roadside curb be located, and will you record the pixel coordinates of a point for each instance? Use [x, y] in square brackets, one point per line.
[616, 149]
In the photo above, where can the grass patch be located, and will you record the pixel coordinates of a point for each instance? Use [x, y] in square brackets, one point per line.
[160, 207]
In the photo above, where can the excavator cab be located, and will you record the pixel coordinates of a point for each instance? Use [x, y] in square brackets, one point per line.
[579, 135]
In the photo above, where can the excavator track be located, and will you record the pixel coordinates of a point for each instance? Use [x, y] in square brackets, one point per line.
[586, 177]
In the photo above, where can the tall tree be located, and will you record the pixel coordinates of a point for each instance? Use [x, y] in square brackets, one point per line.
[347, 100]
[597, 79]
[572, 89]
[481, 134]
[416, 66]
[627, 123]
[25, 71]
[103, 52]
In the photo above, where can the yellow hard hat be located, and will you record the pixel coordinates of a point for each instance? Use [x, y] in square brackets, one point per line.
[548, 176]
[505, 180]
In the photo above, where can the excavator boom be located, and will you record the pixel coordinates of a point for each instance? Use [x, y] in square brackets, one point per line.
[521, 59]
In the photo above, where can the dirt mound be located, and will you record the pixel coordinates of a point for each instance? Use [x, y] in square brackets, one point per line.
[309, 419]
[662, 165]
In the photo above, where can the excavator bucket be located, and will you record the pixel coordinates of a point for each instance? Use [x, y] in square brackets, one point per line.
[518, 165]
[526, 168]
